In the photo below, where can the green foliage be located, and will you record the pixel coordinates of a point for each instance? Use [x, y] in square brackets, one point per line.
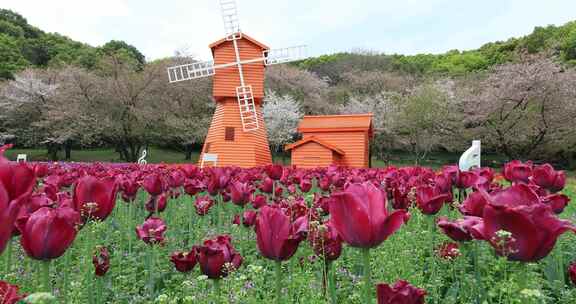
[10, 29]
[19, 21]
[22, 45]
[11, 60]
[115, 46]
[550, 39]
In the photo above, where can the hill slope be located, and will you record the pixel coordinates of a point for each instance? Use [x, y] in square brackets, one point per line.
[22, 45]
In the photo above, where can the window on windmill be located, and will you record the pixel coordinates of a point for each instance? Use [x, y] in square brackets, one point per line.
[229, 134]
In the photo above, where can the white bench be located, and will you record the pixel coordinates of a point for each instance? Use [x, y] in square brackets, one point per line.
[21, 158]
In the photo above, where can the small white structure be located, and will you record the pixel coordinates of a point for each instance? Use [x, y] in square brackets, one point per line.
[209, 157]
[21, 158]
[471, 158]
[142, 159]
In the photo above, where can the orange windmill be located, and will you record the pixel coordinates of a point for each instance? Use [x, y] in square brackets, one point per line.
[237, 135]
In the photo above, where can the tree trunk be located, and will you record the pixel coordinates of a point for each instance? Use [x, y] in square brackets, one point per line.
[68, 149]
[188, 152]
[53, 151]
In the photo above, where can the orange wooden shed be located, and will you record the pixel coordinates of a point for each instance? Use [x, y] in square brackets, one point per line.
[226, 138]
[342, 140]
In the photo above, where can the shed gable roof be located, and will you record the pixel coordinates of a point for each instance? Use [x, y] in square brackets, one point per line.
[316, 140]
[328, 123]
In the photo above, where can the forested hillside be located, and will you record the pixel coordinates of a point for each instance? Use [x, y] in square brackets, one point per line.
[22, 45]
[517, 96]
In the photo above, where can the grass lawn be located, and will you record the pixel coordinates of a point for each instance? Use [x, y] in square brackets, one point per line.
[159, 155]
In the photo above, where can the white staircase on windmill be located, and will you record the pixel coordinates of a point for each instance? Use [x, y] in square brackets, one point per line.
[248, 113]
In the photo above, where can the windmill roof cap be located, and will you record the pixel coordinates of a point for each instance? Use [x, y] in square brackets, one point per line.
[244, 36]
[316, 140]
[328, 123]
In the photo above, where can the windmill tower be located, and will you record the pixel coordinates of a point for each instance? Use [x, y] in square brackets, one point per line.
[237, 135]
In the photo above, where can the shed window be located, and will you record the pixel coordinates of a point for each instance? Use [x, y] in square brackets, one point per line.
[229, 134]
[207, 148]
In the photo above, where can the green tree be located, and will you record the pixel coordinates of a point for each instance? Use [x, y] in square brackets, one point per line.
[11, 60]
[114, 46]
[17, 20]
[10, 29]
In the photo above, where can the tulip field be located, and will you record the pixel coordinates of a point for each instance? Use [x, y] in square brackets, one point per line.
[129, 233]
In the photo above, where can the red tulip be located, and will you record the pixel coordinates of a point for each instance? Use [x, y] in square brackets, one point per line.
[2, 150]
[157, 203]
[325, 241]
[324, 183]
[203, 204]
[249, 218]
[519, 226]
[444, 183]
[8, 214]
[259, 201]
[401, 293]
[176, 179]
[153, 184]
[18, 179]
[101, 261]
[572, 272]
[152, 231]
[190, 170]
[129, 189]
[305, 185]
[430, 200]
[448, 251]
[517, 172]
[473, 204]
[193, 186]
[275, 172]
[48, 232]
[218, 258]
[459, 230]
[218, 180]
[400, 199]
[239, 193]
[184, 261]
[466, 179]
[40, 170]
[8, 292]
[546, 177]
[557, 202]
[95, 198]
[236, 220]
[360, 216]
[277, 237]
[267, 185]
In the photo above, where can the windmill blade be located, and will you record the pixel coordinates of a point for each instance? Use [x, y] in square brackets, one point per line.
[277, 56]
[191, 71]
[229, 12]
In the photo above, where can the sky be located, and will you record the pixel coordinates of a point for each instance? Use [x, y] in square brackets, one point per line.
[158, 28]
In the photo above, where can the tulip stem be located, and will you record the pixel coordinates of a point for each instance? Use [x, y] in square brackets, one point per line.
[331, 282]
[217, 290]
[480, 296]
[46, 276]
[367, 276]
[8, 255]
[64, 290]
[278, 270]
[151, 260]
[129, 232]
